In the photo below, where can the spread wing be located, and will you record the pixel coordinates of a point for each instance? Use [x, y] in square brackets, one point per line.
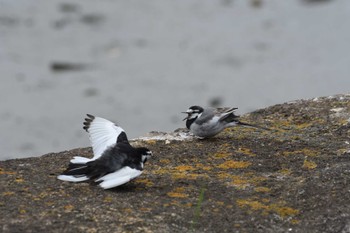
[103, 134]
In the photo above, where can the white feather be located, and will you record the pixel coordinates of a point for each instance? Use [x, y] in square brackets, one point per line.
[103, 134]
[119, 177]
[78, 159]
[72, 178]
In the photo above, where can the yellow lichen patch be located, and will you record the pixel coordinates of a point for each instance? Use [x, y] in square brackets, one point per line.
[220, 203]
[178, 193]
[8, 193]
[279, 208]
[306, 152]
[309, 152]
[303, 125]
[173, 203]
[144, 209]
[223, 175]
[185, 175]
[236, 225]
[225, 146]
[342, 151]
[50, 203]
[278, 124]
[146, 182]
[287, 153]
[165, 161]
[285, 171]
[245, 151]
[127, 210]
[188, 204]
[262, 189]
[160, 171]
[343, 121]
[151, 142]
[180, 175]
[182, 172]
[3, 172]
[234, 164]
[206, 168]
[254, 205]
[240, 182]
[284, 211]
[19, 180]
[108, 199]
[203, 167]
[43, 194]
[222, 155]
[309, 164]
[183, 168]
[246, 180]
[22, 211]
[308, 124]
[294, 221]
[180, 189]
[68, 208]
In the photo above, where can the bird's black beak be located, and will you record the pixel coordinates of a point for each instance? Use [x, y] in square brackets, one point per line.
[188, 115]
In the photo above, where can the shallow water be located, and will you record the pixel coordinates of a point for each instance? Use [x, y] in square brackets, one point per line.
[140, 63]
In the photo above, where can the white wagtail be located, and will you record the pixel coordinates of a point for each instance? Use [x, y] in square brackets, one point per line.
[206, 123]
[115, 161]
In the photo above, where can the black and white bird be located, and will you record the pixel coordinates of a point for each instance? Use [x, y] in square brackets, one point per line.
[208, 122]
[115, 161]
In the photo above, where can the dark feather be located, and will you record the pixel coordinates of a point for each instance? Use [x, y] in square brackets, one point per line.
[122, 137]
[88, 121]
[75, 169]
[230, 118]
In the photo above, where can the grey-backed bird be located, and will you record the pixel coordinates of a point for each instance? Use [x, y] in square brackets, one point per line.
[208, 122]
[115, 161]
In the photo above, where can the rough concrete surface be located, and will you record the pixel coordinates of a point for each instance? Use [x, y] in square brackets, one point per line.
[293, 178]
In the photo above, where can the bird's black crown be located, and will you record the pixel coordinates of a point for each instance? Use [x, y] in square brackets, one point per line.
[196, 109]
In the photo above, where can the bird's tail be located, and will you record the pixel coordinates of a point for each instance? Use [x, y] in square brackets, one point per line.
[76, 172]
[251, 125]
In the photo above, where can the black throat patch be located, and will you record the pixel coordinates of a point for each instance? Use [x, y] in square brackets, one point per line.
[189, 122]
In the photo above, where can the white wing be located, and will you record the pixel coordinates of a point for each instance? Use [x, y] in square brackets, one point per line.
[119, 177]
[103, 134]
[72, 178]
[78, 159]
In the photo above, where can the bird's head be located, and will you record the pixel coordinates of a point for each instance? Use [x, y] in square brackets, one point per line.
[145, 153]
[193, 112]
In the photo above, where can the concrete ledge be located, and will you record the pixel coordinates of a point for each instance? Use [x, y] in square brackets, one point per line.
[295, 178]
